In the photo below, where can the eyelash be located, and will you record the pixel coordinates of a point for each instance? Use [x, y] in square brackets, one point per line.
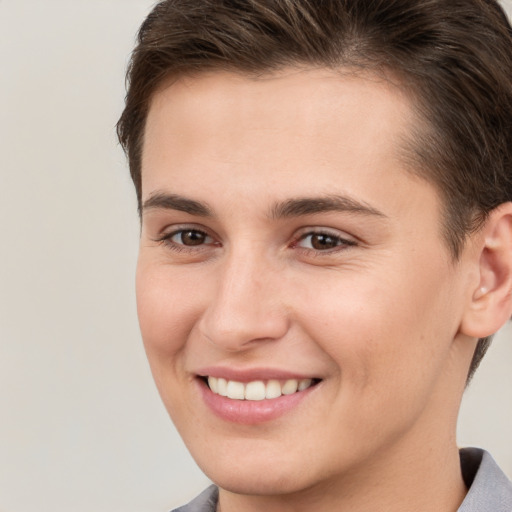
[166, 239]
[340, 242]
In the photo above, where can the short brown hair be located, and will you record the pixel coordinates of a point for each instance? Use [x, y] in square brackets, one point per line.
[454, 57]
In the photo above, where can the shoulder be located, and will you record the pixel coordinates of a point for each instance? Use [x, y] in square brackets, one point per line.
[205, 502]
[489, 488]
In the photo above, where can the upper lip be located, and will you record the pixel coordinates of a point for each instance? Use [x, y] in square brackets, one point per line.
[251, 374]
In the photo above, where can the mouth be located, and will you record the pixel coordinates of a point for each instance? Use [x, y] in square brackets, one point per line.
[252, 397]
[257, 390]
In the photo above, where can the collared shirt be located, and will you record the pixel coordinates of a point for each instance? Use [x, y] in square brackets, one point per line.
[489, 489]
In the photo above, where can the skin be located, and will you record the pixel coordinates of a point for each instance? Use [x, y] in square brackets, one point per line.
[382, 317]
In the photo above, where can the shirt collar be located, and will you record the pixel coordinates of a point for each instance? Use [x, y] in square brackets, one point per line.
[489, 489]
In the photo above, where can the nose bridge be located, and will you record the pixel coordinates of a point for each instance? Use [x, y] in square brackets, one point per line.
[246, 306]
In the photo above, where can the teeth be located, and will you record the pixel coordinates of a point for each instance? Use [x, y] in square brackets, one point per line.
[222, 385]
[236, 390]
[273, 389]
[304, 384]
[213, 382]
[257, 390]
[290, 387]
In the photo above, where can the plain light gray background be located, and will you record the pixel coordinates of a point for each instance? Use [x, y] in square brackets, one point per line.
[81, 425]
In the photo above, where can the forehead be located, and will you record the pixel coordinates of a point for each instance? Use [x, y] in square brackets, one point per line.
[298, 128]
[288, 102]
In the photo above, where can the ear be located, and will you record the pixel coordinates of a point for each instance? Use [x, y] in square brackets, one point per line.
[491, 301]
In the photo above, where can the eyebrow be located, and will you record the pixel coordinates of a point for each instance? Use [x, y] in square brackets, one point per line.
[166, 201]
[331, 203]
[296, 207]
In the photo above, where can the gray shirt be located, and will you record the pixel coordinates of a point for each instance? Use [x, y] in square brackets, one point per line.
[489, 489]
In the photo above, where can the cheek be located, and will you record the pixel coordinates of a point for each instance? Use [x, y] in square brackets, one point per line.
[166, 310]
[383, 328]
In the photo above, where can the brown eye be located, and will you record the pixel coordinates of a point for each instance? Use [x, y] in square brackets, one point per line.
[191, 237]
[323, 242]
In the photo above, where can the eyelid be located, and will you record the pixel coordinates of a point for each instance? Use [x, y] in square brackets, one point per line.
[185, 230]
[166, 235]
[345, 239]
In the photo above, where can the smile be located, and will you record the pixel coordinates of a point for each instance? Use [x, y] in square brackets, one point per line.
[257, 390]
[253, 397]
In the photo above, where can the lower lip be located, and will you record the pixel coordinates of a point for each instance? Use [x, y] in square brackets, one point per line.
[250, 412]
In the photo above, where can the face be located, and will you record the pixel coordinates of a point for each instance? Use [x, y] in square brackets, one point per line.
[299, 308]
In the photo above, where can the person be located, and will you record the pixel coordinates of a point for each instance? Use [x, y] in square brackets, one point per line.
[326, 243]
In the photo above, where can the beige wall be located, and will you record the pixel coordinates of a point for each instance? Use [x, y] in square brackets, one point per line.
[81, 426]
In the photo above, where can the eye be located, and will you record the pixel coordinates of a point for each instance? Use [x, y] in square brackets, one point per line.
[323, 241]
[190, 237]
[187, 239]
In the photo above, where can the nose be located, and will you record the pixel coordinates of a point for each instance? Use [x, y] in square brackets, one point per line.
[246, 306]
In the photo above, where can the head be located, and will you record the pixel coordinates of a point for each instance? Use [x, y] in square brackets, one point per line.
[322, 190]
[453, 58]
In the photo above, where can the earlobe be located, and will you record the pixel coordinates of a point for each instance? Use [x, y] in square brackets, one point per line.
[491, 301]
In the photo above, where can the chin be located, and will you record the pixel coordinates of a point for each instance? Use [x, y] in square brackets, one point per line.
[261, 482]
[260, 474]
